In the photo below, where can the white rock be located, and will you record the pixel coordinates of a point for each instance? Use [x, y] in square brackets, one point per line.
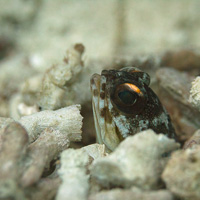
[75, 181]
[139, 160]
[195, 93]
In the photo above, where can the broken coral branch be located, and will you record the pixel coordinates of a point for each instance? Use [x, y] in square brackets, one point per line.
[57, 82]
[41, 152]
[66, 120]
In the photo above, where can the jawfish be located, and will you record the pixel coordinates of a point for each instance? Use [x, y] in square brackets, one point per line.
[124, 104]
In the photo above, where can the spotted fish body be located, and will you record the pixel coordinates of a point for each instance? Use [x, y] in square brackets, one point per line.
[124, 104]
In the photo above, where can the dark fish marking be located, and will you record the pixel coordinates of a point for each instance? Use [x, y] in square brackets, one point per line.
[103, 112]
[114, 113]
[102, 95]
[92, 81]
[103, 86]
[95, 92]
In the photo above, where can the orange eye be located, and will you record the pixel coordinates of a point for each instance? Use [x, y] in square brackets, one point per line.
[128, 98]
[133, 87]
[128, 93]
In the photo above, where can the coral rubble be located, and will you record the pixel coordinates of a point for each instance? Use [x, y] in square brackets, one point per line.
[138, 160]
[74, 175]
[182, 174]
[24, 161]
[41, 153]
[133, 194]
[195, 93]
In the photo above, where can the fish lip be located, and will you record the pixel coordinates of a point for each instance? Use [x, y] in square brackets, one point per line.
[95, 81]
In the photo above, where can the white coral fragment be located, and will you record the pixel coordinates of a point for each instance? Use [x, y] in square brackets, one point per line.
[138, 160]
[46, 148]
[66, 120]
[182, 174]
[73, 172]
[57, 88]
[195, 93]
[23, 109]
[95, 151]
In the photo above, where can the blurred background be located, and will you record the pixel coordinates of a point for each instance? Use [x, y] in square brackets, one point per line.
[43, 29]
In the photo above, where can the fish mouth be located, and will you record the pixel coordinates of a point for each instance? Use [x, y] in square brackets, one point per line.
[106, 130]
[95, 90]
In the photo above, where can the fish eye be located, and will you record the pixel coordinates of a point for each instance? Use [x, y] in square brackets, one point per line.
[128, 98]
